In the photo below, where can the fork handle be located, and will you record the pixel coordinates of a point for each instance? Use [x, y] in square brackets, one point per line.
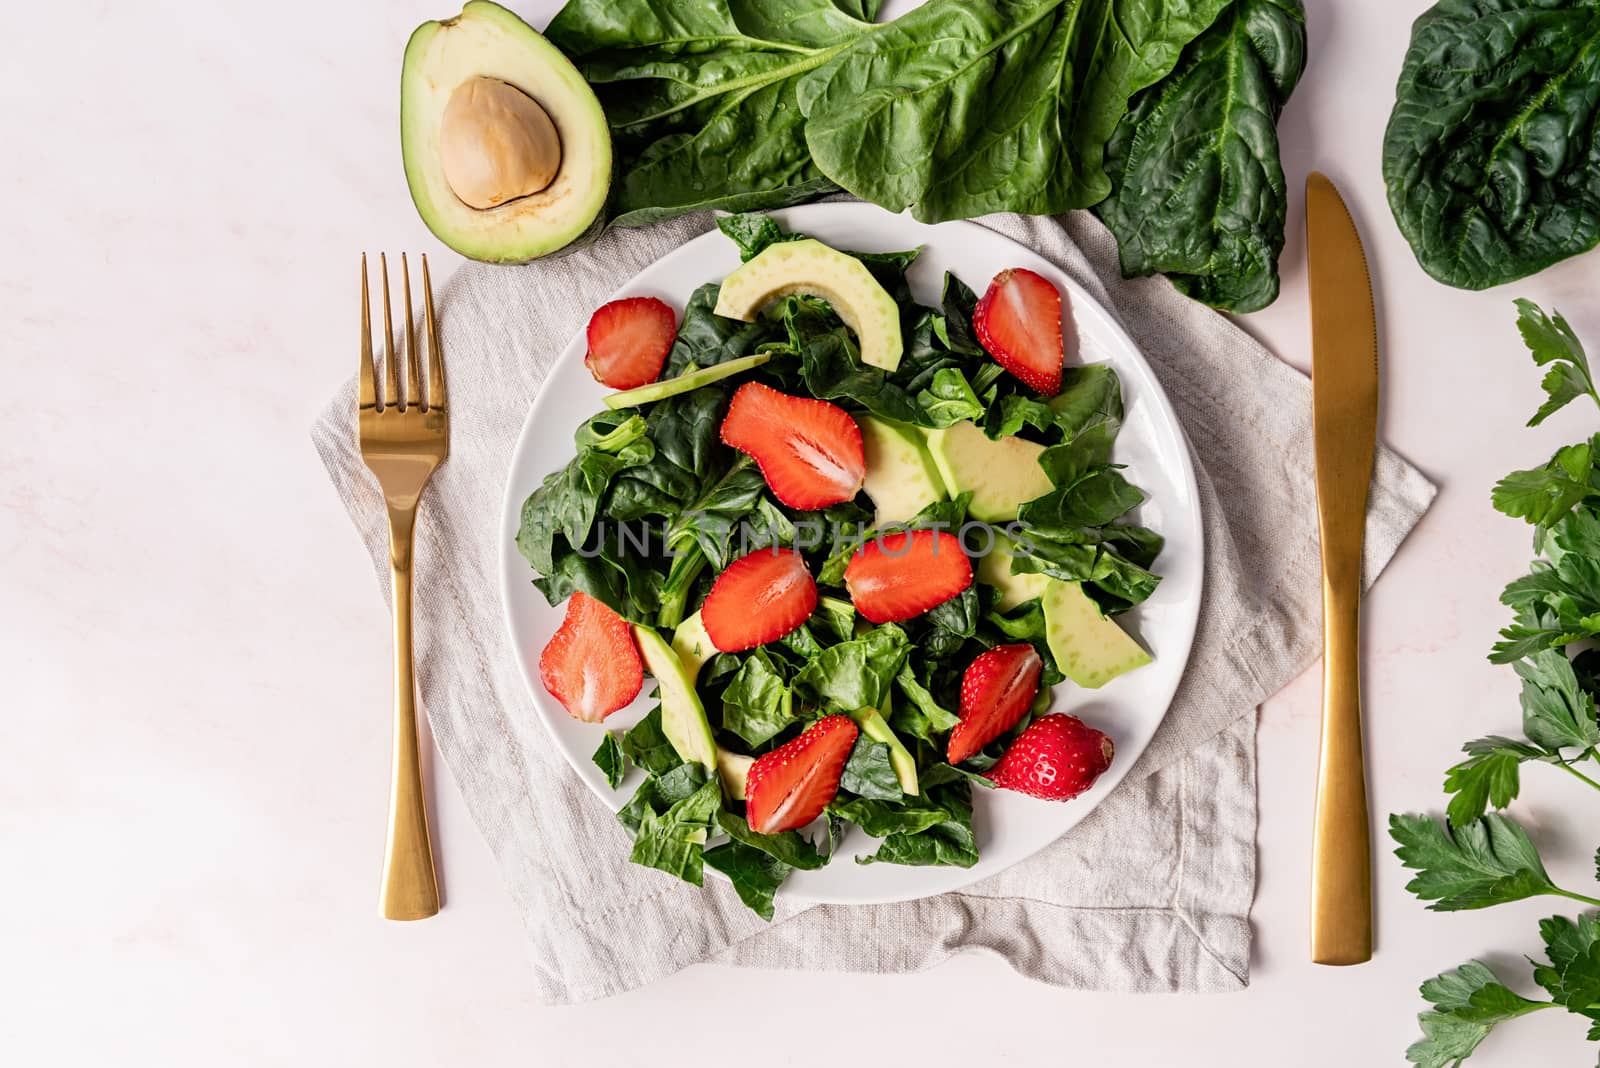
[410, 890]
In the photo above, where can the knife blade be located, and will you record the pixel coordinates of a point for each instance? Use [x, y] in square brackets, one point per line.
[1344, 383]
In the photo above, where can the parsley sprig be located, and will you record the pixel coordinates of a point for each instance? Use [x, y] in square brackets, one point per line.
[1477, 858]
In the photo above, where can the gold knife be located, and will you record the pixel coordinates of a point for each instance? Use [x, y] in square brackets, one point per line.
[1344, 387]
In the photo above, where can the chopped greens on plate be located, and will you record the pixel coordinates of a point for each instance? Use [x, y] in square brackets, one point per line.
[854, 540]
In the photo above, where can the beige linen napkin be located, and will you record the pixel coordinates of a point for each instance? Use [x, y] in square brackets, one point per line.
[1151, 892]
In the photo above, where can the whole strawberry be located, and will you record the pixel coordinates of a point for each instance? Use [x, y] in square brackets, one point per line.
[1056, 759]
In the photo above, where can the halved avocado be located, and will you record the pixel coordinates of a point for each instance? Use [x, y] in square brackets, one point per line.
[506, 149]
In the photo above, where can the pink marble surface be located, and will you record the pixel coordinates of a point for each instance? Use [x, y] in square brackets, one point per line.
[194, 753]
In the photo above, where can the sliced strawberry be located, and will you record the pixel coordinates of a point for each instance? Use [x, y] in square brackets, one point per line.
[629, 340]
[1018, 322]
[790, 786]
[809, 451]
[904, 573]
[1056, 759]
[591, 664]
[996, 690]
[758, 599]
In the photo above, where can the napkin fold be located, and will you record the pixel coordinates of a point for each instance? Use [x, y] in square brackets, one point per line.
[1151, 892]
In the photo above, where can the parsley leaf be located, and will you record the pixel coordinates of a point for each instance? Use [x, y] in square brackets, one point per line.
[1553, 344]
[1556, 712]
[1488, 862]
[1490, 776]
[1573, 974]
[1467, 1003]
[1542, 495]
[608, 758]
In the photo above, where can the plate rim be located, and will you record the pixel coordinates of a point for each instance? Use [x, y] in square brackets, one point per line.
[793, 218]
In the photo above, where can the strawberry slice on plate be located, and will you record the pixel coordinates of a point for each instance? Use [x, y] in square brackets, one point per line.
[759, 598]
[629, 340]
[591, 665]
[790, 786]
[1057, 758]
[906, 572]
[1018, 322]
[809, 451]
[996, 690]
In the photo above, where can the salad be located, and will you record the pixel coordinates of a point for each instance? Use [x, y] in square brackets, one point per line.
[855, 540]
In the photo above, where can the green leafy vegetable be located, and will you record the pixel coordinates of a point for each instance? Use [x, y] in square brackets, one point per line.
[670, 825]
[1491, 775]
[1553, 344]
[646, 745]
[701, 97]
[608, 758]
[857, 673]
[1490, 157]
[1198, 191]
[791, 847]
[956, 109]
[755, 875]
[757, 703]
[869, 774]
[963, 107]
[1474, 866]
[1477, 860]
[1467, 1003]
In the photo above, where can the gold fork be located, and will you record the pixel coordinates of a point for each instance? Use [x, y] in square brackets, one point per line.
[402, 440]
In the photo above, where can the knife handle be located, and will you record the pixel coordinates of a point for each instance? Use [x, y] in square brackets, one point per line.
[1341, 848]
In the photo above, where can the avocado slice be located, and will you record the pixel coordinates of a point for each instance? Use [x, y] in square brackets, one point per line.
[810, 267]
[683, 718]
[1089, 648]
[689, 380]
[506, 149]
[1002, 475]
[693, 646]
[901, 478]
[735, 771]
[994, 568]
[875, 725]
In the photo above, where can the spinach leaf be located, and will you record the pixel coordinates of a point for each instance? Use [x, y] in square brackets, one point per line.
[868, 772]
[962, 107]
[1491, 157]
[757, 703]
[791, 847]
[920, 716]
[706, 339]
[1198, 191]
[857, 673]
[566, 504]
[608, 758]
[948, 841]
[755, 875]
[701, 97]
[646, 745]
[673, 840]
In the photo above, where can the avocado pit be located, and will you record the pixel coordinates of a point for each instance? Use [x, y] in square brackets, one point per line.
[496, 144]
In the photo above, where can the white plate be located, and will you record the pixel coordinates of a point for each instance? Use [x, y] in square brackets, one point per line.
[1009, 826]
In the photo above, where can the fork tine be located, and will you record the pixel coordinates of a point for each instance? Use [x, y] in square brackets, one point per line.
[368, 395]
[435, 353]
[413, 391]
[391, 385]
